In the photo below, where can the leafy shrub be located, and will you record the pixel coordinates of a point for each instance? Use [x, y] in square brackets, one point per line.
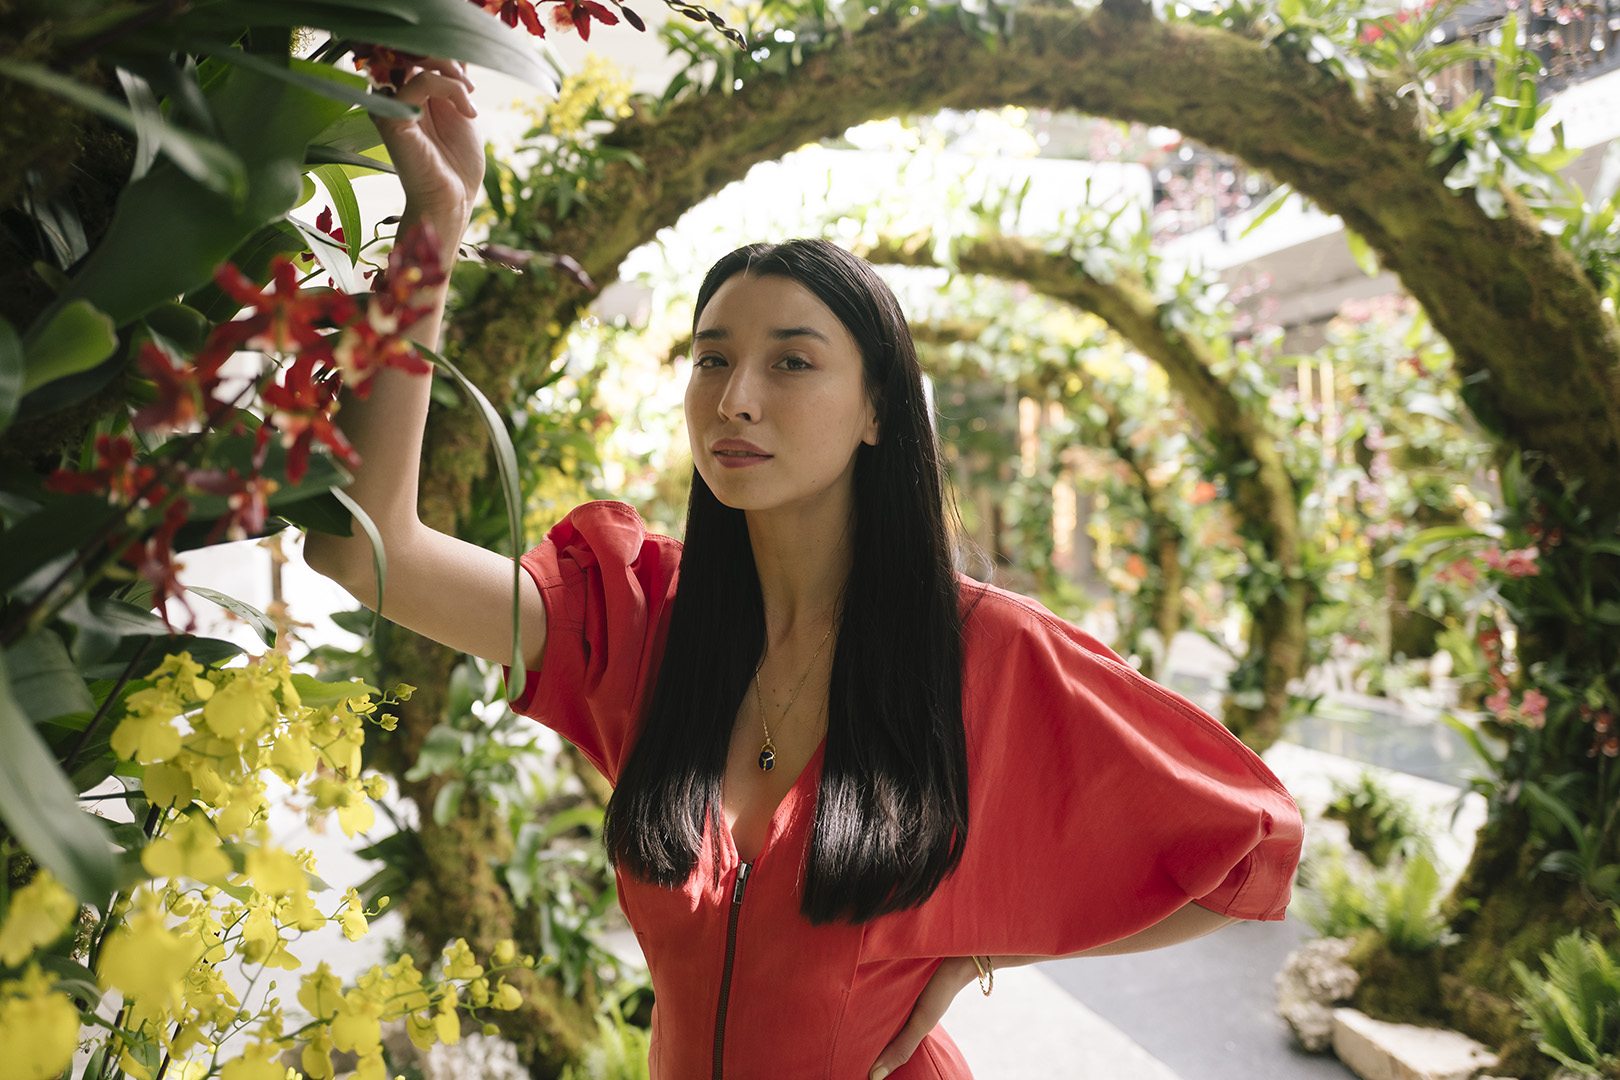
[1574, 1010]
[1382, 825]
[1401, 901]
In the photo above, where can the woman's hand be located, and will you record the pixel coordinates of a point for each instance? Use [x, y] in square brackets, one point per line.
[952, 974]
[439, 156]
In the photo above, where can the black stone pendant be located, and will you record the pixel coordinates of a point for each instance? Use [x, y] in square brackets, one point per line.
[767, 758]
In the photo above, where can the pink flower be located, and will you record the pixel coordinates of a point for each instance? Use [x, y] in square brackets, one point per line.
[1533, 708]
[1518, 563]
[1500, 703]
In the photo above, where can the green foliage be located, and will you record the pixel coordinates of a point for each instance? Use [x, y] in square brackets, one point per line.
[1574, 1009]
[1401, 901]
[1381, 825]
[620, 1052]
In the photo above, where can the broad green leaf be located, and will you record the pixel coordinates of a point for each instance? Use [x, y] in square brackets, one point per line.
[145, 654]
[44, 680]
[341, 192]
[268, 123]
[506, 463]
[52, 535]
[453, 29]
[213, 166]
[11, 373]
[258, 620]
[350, 88]
[41, 809]
[379, 556]
[354, 132]
[77, 338]
[279, 237]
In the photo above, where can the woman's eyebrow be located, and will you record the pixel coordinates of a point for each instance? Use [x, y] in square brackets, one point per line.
[781, 333]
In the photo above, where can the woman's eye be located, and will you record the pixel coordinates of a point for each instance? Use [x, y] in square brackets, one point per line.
[799, 360]
[699, 362]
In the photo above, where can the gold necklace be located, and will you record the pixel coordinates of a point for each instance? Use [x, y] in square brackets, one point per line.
[767, 751]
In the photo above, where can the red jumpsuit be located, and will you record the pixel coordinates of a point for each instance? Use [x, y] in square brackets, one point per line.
[1100, 802]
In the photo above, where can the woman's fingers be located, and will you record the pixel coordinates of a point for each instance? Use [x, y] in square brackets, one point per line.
[936, 997]
[454, 69]
[426, 84]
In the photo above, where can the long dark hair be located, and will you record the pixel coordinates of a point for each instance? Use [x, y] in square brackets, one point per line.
[892, 814]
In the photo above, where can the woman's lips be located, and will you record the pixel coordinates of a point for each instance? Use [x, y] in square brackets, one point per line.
[737, 459]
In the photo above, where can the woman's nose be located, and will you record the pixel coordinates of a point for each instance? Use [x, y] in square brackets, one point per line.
[739, 399]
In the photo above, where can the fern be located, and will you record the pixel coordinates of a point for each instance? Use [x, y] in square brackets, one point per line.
[1574, 1010]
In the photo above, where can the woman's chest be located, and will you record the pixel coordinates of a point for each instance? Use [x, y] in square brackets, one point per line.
[752, 795]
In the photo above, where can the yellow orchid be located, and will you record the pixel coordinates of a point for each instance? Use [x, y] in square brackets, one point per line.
[145, 960]
[188, 848]
[40, 911]
[39, 1026]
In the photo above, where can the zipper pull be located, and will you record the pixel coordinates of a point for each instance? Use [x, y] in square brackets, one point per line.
[742, 882]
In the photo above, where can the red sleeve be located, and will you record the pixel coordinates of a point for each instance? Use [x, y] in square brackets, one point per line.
[606, 583]
[1099, 802]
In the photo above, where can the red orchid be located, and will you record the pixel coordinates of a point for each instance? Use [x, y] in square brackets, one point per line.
[362, 350]
[185, 391]
[153, 559]
[512, 12]
[284, 317]
[301, 411]
[384, 66]
[115, 475]
[247, 497]
[414, 266]
[577, 15]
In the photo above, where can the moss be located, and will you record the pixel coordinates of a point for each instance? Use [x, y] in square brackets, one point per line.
[1399, 987]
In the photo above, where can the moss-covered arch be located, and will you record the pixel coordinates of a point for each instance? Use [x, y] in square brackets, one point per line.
[1263, 493]
[1164, 537]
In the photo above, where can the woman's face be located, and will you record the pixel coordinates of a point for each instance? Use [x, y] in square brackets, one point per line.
[772, 366]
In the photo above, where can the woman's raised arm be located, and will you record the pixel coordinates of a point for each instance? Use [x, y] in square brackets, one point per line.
[437, 585]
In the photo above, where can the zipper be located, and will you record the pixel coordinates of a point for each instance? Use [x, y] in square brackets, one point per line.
[725, 978]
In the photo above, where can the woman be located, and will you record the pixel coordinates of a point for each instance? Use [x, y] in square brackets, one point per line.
[849, 780]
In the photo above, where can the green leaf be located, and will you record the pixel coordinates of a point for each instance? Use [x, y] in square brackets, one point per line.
[213, 166]
[149, 121]
[312, 691]
[268, 123]
[452, 29]
[353, 132]
[348, 209]
[247, 612]
[352, 165]
[349, 88]
[1608, 612]
[41, 809]
[44, 681]
[379, 557]
[506, 463]
[76, 339]
[1273, 203]
[253, 258]
[11, 373]
[1362, 253]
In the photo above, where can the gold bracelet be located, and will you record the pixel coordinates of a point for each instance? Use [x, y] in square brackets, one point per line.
[990, 975]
